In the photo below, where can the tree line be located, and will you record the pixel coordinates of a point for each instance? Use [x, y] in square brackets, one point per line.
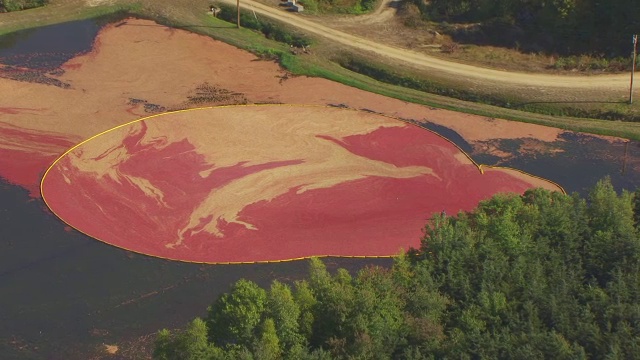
[567, 27]
[538, 276]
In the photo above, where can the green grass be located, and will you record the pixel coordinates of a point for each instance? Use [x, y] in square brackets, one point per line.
[339, 6]
[38, 17]
[319, 66]
[333, 71]
[594, 126]
[242, 38]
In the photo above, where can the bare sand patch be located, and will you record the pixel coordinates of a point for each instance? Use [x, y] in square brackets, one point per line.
[111, 349]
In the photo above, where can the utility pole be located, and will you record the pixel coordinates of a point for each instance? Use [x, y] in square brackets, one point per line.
[239, 17]
[624, 159]
[633, 67]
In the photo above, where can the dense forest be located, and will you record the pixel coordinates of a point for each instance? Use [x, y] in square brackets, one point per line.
[538, 276]
[567, 27]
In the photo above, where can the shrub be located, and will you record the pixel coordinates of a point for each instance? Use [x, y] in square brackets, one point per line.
[587, 62]
[310, 6]
[268, 29]
[16, 5]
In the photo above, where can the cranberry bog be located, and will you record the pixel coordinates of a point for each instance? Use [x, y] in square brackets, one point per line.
[129, 162]
[267, 183]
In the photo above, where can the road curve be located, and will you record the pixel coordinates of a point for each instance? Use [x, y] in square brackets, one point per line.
[448, 68]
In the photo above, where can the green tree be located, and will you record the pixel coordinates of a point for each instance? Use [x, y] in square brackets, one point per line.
[377, 325]
[614, 236]
[267, 347]
[163, 346]
[306, 301]
[538, 276]
[190, 344]
[282, 308]
[233, 318]
[334, 303]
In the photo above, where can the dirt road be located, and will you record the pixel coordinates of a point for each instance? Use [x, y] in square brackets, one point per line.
[471, 73]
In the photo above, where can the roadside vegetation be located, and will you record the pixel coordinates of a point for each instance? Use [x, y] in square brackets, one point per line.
[583, 35]
[538, 276]
[339, 6]
[268, 28]
[17, 5]
[419, 82]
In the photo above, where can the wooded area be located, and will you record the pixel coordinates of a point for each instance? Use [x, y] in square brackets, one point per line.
[567, 27]
[538, 276]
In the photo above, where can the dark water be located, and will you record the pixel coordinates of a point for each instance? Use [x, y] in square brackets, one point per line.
[453, 136]
[63, 294]
[48, 47]
[575, 161]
